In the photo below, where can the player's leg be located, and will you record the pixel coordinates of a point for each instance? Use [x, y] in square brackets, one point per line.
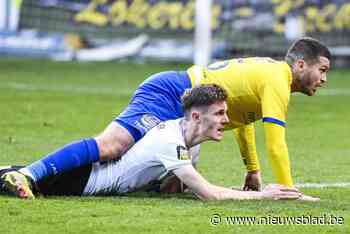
[71, 183]
[66, 158]
[114, 141]
[158, 98]
[110, 144]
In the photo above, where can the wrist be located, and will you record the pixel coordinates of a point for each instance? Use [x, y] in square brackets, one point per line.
[253, 171]
[253, 167]
[254, 195]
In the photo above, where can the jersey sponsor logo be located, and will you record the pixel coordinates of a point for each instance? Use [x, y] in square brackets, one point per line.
[182, 153]
[147, 122]
[53, 168]
[251, 117]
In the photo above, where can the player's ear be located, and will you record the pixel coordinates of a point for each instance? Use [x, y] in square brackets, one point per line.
[195, 115]
[300, 64]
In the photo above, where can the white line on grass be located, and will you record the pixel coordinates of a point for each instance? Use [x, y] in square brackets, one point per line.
[68, 89]
[313, 185]
[324, 185]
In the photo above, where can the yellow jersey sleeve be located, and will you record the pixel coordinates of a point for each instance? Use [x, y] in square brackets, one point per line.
[245, 137]
[278, 153]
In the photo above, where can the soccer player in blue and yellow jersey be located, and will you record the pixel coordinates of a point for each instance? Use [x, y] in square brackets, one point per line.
[258, 88]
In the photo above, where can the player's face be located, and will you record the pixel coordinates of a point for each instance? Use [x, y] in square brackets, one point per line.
[214, 120]
[314, 76]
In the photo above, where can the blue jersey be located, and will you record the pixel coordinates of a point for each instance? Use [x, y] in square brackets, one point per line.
[157, 99]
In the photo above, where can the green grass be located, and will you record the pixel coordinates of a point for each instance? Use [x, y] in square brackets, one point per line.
[44, 105]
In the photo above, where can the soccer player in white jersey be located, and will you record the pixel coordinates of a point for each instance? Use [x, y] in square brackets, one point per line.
[257, 88]
[166, 150]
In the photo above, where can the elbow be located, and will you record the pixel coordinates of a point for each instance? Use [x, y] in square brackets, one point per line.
[207, 198]
[208, 195]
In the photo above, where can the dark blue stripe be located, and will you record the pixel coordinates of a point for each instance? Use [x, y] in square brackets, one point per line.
[273, 120]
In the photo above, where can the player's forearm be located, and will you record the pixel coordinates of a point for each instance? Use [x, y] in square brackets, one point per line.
[279, 159]
[217, 193]
[278, 153]
[207, 191]
[245, 137]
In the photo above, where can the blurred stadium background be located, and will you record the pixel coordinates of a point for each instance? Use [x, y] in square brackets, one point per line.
[165, 29]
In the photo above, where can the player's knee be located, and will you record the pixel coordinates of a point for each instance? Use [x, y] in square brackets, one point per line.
[113, 142]
[109, 150]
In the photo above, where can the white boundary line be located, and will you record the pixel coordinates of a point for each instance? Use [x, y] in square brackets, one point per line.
[324, 185]
[313, 185]
[68, 89]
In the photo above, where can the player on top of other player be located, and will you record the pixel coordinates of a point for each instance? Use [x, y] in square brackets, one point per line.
[154, 160]
[258, 88]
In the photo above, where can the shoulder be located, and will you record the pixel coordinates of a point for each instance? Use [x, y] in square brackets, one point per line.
[277, 75]
[169, 132]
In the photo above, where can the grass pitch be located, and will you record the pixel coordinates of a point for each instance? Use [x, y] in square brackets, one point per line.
[44, 105]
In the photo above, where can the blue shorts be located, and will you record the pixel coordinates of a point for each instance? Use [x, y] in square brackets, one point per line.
[157, 99]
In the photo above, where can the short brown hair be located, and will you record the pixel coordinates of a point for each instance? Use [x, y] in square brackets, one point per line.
[203, 95]
[308, 49]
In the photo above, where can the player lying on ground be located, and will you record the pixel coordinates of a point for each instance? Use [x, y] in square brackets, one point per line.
[164, 151]
[258, 88]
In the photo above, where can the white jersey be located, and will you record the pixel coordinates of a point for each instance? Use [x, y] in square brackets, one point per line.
[146, 164]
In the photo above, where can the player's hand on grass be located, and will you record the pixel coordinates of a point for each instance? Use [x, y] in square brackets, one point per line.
[281, 192]
[308, 198]
[252, 181]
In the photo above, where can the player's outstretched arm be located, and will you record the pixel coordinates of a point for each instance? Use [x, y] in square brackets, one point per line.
[207, 191]
[278, 153]
[245, 137]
